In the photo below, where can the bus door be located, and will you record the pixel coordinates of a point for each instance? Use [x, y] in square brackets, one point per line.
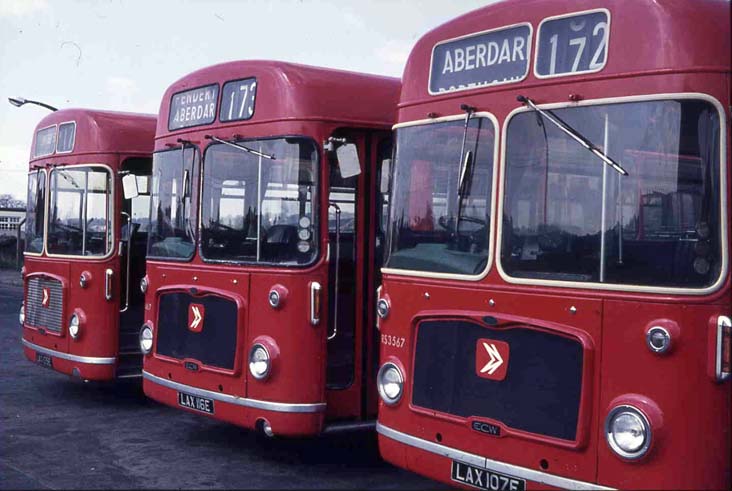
[355, 227]
[134, 224]
[349, 239]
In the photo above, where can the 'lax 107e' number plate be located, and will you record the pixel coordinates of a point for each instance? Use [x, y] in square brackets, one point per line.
[485, 479]
[194, 402]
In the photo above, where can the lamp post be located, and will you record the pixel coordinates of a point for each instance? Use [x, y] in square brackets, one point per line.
[19, 101]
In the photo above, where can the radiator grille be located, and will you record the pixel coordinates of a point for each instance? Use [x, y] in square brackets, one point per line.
[540, 393]
[48, 317]
[213, 343]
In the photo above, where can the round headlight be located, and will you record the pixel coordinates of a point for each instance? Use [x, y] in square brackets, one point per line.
[390, 383]
[628, 432]
[83, 280]
[74, 326]
[143, 284]
[146, 339]
[382, 308]
[259, 362]
[21, 315]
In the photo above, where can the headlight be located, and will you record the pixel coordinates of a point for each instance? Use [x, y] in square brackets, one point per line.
[628, 432]
[74, 326]
[21, 315]
[146, 339]
[144, 284]
[259, 362]
[390, 383]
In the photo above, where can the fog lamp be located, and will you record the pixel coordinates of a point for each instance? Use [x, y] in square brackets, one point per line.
[390, 383]
[259, 362]
[628, 432]
[74, 326]
[382, 308]
[146, 339]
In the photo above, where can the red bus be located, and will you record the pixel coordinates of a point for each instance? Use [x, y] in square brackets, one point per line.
[85, 243]
[555, 304]
[264, 241]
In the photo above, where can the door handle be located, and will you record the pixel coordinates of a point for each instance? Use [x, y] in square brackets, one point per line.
[108, 283]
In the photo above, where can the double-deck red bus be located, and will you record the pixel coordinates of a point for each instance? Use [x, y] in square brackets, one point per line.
[85, 243]
[555, 305]
[264, 244]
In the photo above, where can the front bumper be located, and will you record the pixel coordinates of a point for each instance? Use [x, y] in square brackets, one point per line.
[286, 419]
[434, 460]
[85, 367]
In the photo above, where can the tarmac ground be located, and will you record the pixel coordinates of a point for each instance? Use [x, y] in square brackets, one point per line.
[58, 432]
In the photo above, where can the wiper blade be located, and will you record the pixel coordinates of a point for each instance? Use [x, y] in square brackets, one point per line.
[576, 135]
[240, 147]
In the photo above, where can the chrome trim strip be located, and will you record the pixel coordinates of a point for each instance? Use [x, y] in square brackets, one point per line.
[92, 360]
[485, 463]
[282, 407]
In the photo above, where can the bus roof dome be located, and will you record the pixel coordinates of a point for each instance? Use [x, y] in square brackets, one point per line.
[292, 91]
[103, 131]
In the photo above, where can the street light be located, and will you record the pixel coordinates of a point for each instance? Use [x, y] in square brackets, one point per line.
[19, 101]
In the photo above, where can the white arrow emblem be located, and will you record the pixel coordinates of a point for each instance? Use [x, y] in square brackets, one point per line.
[495, 361]
[46, 298]
[196, 317]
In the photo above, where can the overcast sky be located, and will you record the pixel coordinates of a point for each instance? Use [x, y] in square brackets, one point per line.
[123, 54]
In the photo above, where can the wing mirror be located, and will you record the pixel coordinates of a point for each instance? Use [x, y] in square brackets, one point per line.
[129, 186]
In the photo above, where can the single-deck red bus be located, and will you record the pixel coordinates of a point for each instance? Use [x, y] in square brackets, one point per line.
[264, 245]
[85, 243]
[555, 305]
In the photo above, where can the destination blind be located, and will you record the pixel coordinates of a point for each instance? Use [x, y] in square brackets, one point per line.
[479, 60]
[193, 107]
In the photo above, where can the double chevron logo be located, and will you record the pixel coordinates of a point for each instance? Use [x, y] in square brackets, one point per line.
[196, 311]
[491, 359]
[46, 300]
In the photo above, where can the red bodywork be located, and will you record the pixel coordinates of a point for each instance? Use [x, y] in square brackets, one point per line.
[108, 139]
[663, 47]
[299, 101]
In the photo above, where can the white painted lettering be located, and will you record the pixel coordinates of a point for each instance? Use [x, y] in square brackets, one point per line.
[459, 60]
[492, 52]
[518, 48]
[469, 57]
[448, 63]
[480, 56]
[505, 52]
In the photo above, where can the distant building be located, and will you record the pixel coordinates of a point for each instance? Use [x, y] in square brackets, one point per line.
[10, 219]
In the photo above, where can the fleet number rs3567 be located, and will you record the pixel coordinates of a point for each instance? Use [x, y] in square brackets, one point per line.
[389, 340]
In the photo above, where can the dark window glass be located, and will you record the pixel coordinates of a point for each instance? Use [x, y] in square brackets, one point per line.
[441, 199]
[80, 212]
[35, 211]
[172, 219]
[568, 216]
[260, 210]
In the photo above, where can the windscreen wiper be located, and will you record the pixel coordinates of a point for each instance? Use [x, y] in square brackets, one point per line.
[576, 135]
[464, 165]
[240, 147]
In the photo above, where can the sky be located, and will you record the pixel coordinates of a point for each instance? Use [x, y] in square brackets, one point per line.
[123, 54]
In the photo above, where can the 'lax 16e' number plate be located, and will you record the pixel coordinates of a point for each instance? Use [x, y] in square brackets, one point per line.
[194, 402]
[44, 360]
[485, 479]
